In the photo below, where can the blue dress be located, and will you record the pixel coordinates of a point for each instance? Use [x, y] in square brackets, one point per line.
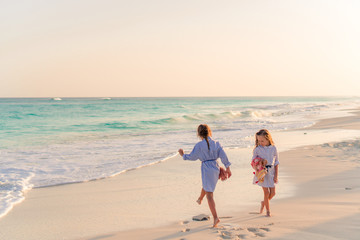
[271, 155]
[209, 166]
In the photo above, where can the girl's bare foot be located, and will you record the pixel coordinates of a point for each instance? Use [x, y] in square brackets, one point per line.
[216, 222]
[199, 201]
[268, 214]
[262, 207]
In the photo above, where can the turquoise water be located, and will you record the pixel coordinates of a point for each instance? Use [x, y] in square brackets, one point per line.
[25, 122]
[47, 142]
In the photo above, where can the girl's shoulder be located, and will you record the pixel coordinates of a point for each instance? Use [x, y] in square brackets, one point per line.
[256, 149]
[198, 144]
[217, 143]
[201, 143]
[266, 148]
[270, 147]
[273, 147]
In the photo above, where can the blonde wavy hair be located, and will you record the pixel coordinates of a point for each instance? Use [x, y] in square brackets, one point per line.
[265, 133]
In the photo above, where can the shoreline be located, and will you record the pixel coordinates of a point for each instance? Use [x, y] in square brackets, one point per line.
[348, 122]
[336, 123]
[53, 198]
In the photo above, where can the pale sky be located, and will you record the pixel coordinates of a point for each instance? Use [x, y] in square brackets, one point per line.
[164, 48]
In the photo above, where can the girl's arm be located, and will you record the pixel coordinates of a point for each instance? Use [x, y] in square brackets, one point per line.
[222, 155]
[276, 157]
[194, 155]
[276, 166]
[276, 174]
[224, 160]
[255, 153]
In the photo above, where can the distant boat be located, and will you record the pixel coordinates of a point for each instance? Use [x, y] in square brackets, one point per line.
[56, 99]
[105, 98]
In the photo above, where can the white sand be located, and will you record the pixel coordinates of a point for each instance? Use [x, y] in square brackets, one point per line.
[312, 200]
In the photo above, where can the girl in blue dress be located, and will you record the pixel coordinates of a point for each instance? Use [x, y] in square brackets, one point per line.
[208, 151]
[265, 149]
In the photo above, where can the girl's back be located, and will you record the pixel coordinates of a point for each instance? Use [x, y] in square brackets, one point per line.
[201, 151]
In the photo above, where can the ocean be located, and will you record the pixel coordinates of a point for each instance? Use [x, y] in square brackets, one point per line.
[53, 141]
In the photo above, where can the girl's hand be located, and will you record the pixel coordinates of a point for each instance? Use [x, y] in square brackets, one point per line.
[181, 152]
[275, 179]
[228, 172]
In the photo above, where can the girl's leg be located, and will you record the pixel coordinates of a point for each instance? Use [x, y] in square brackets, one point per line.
[262, 207]
[202, 195]
[266, 200]
[272, 193]
[211, 202]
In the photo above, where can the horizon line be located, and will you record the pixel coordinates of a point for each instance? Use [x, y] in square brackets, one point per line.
[195, 96]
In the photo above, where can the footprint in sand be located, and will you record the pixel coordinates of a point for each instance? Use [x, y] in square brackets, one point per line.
[185, 230]
[226, 234]
[225, 237]
[256, 232]
[232, 234]
[237, 228]
[233, 227]
[253, 230]
[265, 229]
[184, 222]
[242, 236]
[259, 234]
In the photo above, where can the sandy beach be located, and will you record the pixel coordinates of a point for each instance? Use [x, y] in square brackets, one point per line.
[98, 97]
[317, 197]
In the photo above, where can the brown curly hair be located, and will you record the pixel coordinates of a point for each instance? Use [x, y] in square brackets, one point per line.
[204, 131]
